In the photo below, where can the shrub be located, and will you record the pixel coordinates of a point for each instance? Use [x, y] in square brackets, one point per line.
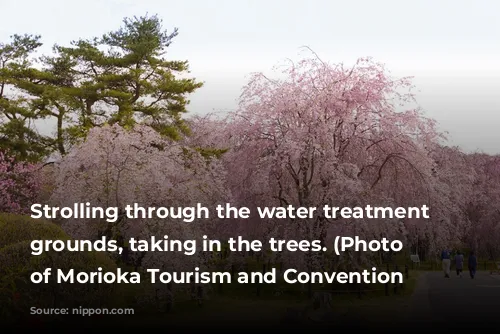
[16, 228]
[18, 293]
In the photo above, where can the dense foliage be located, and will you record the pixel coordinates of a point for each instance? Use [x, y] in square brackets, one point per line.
[17, 263]
[122, 77]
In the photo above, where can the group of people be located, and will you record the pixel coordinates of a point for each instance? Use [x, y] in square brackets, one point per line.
[446, 259]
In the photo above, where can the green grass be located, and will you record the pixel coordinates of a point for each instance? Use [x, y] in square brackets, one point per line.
[251, 303]
[249, 308]
[240, 304]
[250, 311]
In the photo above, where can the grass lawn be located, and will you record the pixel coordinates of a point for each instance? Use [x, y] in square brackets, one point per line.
[370, 308]
[239, 305]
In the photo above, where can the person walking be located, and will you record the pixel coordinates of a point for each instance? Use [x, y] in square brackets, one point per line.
[446, 260]
[472, 264]
[459, 263]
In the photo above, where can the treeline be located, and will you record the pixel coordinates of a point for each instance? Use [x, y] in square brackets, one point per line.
[327, 134]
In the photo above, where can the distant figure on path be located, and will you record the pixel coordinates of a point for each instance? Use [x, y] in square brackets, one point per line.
[459, 263]
[472, 264]
[446, 259]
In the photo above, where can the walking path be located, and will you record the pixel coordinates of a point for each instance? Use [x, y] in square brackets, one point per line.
[455, 303]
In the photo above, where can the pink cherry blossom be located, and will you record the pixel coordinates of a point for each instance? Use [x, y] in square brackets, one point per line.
[330, 134]
[115, 167]
[19, 184]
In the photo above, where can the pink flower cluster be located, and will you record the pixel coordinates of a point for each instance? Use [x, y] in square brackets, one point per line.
[19, 184]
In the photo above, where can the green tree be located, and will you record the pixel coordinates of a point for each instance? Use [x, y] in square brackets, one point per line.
[122, 77]
[17, 111]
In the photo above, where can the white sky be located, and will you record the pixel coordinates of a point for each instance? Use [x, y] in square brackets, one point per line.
[451, 47]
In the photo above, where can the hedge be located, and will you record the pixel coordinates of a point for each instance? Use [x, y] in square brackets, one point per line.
[18, 293]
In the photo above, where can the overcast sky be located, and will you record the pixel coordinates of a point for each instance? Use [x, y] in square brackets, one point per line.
[451, 47]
